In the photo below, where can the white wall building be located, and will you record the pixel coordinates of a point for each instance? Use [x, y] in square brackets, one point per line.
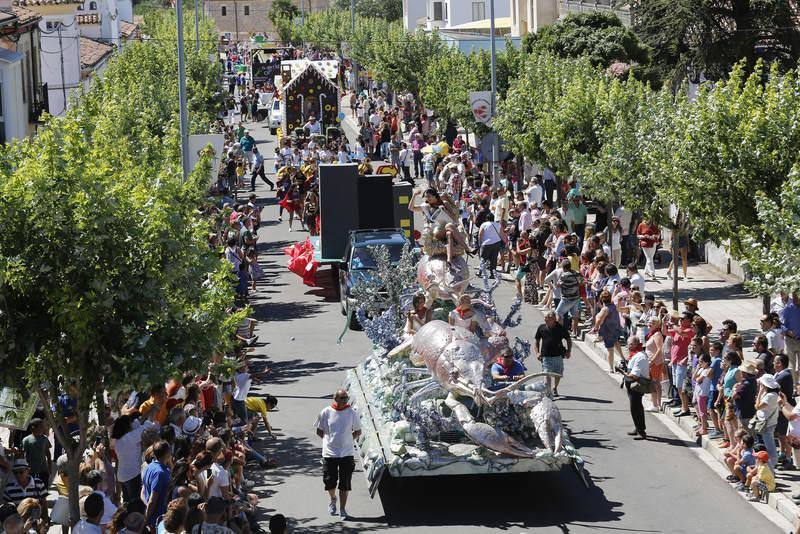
[415, 13]
[447, 14]
[13, 115]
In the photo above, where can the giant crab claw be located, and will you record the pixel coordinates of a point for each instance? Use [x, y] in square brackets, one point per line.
[496, 440]
[486, 435]
[547, 420]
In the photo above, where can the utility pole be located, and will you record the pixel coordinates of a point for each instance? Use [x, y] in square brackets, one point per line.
[182, 93]
[197, 25]
[353, 64]
[493, 166]
[63, 86]
[236, 21]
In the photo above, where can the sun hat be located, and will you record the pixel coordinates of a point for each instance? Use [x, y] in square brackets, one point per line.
[769, 381]
[192, 425]
[692, 302]
[749, 367]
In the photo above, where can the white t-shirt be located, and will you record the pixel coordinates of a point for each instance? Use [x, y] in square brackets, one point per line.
[624, 217]
[109, 509]
[794, 424]
[491, 233]
[84, 527]
[775, 340]
[338, 427]
[771, 410]
[535, 194]
[129, 451]
[221, 479]
[639, 365]
[241, 386]
[705, 385]
[637, 282]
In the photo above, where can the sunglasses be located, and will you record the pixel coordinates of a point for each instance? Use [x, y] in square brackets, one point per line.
[341, 398]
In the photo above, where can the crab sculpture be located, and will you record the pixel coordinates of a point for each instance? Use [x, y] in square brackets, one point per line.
[455, 360]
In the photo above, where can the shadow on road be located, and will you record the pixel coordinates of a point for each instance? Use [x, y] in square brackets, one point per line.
[527, 500]
[288, 371]
[285, 311]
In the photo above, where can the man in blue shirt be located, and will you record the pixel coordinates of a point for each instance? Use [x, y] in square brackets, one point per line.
[155, 482]
[506, 369]
[790, 319]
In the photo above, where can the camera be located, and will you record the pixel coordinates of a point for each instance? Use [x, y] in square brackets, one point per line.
[621, 367]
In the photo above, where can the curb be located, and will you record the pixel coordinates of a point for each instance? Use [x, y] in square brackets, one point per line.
[778, 503]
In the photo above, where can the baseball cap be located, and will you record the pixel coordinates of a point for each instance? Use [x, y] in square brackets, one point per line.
[763, 456]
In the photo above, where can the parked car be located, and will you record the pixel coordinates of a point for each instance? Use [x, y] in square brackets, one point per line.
[275, 116]
[358, 263]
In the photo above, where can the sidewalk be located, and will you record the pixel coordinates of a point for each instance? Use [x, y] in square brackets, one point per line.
[720, 297]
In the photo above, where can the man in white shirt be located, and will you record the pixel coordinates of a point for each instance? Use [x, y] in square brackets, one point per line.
[241, 387]
[525, 217]
[625, 217]
[375, 120]
[313, 126]
[535, 192]
[637, 280]
[339, 426]
[638, 370]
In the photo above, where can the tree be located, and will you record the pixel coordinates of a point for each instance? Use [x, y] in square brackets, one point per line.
[771, 254]
[282, 10]
[103, 254]
[711, 36]
[738, 139]
[599, 36]
[400, 58]
[390, 10]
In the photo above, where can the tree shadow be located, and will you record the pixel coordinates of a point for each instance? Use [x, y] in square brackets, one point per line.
[288, 371]
[590, 439]
[584, 399]
[285, 311]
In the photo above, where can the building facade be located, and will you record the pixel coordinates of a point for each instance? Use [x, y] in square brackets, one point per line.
[239, 20]
[19, 33]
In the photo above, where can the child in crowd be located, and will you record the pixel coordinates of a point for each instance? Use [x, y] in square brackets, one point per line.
[254, 269]
[702, 376]
[760, 478]
[746, 461]
[244, 279]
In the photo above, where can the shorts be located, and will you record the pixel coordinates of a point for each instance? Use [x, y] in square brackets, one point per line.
[679, 376]
[338, 469]
[702, 406]
[568, 306]
[521, 272]
[782, 426]
[610, 340]
[730, 413]
[553, 364]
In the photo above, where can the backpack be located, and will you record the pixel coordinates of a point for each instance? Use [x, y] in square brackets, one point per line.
[569, 282]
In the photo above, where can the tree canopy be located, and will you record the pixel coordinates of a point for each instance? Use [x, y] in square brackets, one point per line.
[390, 10]
[711, 36]
[599, 36]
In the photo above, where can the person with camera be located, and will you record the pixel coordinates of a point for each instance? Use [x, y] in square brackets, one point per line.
[637, 381]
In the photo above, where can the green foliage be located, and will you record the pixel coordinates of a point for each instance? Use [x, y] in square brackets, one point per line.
[390, 10]
[599, 36]
[771, 253]
[282, 10]
[102, 250]
[713, 35]
[739, 138]
[548, 114]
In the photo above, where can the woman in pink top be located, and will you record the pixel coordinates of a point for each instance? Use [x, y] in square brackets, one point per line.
[654, 348]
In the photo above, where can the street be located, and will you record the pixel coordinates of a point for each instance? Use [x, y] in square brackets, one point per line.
[657, 485]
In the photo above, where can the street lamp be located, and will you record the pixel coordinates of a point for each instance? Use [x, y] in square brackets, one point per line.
[184, 119]
[493, 165]
[321, 124]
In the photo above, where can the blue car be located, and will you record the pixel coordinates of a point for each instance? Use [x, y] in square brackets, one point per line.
[358, 263]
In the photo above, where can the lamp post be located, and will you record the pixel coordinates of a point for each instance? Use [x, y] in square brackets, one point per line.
[321, 124]
[353, 64]
[184, 119]
[196, 25]
[493, 166]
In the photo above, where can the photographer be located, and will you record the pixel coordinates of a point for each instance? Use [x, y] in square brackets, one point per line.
[637, 374]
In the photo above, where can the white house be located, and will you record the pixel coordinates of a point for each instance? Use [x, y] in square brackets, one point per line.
[13, 113]
[415, 13]
[449, 14]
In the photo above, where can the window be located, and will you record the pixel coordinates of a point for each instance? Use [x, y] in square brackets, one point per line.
[93, 6]
[478, 10]
[224, 11]
[246, 10]
[53, 24]
[438, 11]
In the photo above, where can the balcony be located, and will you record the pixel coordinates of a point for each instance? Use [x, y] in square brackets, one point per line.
[40, 103]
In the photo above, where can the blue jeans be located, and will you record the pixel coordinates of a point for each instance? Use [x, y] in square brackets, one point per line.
[567, 307]
[253, 455]
[679, 376]
[768, 436]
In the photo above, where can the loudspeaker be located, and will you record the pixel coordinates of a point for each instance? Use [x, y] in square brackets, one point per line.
[403, 217]
[339, 203]
[375, 208]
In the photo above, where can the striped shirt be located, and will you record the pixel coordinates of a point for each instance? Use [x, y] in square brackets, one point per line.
[15, 493]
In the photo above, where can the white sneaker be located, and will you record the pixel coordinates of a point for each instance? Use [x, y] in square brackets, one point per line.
[332, 507]
[343, 514]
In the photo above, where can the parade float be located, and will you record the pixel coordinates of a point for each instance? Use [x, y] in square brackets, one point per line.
[425, 394]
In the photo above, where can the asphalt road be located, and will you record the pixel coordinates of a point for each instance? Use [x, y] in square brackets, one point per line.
[657, 485]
